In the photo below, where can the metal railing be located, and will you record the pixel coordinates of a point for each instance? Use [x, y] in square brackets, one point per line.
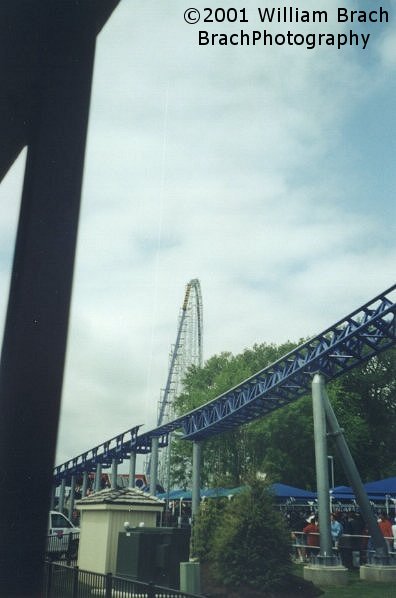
[62, 547]
[357, 546]
[63, 581]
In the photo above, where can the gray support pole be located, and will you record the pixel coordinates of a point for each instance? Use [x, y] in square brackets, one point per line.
[98, 477]
[380, 546]
[114, 474]
[168, 463]
[190, 573]
[154, 465]
[322, 478]
[84, 484]
[61, 503]
[71, 496]
[132, 470]
[196, 478]
[52, 503]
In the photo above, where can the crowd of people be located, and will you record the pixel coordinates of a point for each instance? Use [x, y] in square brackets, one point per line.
[350, 538]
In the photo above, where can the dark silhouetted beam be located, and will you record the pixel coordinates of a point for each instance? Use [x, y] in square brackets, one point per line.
[46, 65]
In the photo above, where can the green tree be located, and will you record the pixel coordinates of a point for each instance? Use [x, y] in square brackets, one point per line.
[281, 444]
[364, 401]
[227, 459]
[251, 544]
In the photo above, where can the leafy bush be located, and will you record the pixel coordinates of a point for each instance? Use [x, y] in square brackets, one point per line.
[205, 526]
[246, 540]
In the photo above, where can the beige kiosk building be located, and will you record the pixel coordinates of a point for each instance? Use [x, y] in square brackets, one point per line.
[103, 515]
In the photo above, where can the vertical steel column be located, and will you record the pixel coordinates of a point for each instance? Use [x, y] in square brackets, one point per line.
[61, 503]
[154, 465]
[196, 477]
[52, 502]
[84, 484]
[322, 478]
[381, 549]
[168, 464]
[34, 344]
[71, 495]
[98, 477]
[195, 492]
[114, 470]
[132, 470]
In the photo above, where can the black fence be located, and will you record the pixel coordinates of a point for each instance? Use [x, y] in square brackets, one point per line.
[64, 581]
[62, 547]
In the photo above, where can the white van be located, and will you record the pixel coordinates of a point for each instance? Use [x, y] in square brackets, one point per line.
[63, 536]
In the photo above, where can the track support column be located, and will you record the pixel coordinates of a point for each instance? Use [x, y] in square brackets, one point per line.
[114, 469]
[71, 495]
[52, 504]
[196, 478]
[154, 465]
[132, 470]
[322, 479]
[98, 477]
[61, 503]
[325, 570]
[190, 573]
[381, 556]
[84, 484]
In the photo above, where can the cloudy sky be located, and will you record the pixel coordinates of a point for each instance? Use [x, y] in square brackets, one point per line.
[266, 173]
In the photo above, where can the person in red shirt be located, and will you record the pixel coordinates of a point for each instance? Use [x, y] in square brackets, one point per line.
[386, 529]
[312, 531]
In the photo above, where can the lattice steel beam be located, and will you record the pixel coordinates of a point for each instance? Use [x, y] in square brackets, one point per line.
[347, 344]
[119, 448]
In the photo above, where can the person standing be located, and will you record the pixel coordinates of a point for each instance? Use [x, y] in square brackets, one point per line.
[386, 529]
[336, 530]
[394, 534]
[297, 523]
[312, 531]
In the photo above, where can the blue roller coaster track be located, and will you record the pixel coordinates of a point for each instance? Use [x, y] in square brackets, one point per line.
[347, 344]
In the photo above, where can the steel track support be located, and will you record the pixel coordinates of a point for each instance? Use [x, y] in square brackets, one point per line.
[132, 470]
[322, 480]
[114, 469]
[61, 503]
[196, 477]
[71, 495]
[190, 573]
[98, 477]
[381, 556]
[52, 503]
[84, 484]
[154, 465]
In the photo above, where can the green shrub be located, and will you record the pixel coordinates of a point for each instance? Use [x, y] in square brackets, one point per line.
[205, 525]
[250, 544]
